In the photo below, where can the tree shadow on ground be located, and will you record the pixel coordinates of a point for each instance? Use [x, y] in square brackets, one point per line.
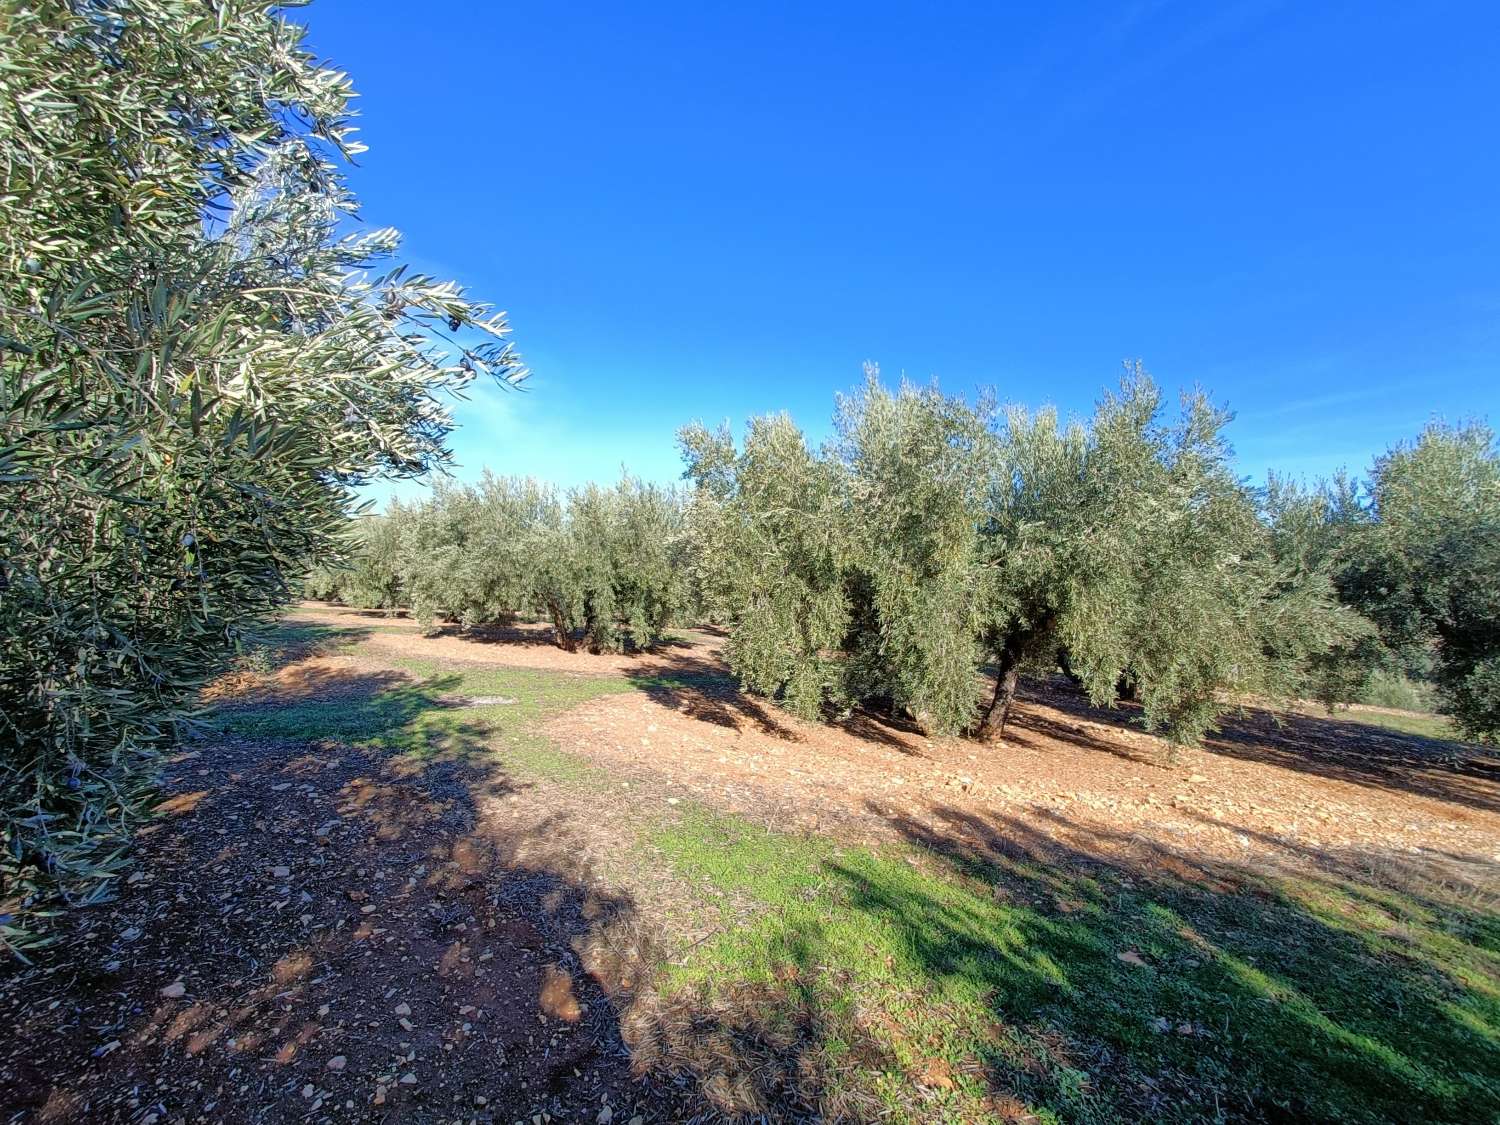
[1188, 989]
[702, 687]
[523, 634]
[1327, 746]
[330, 917]
[528, 633]
[357, 611]
[763, 1051]
[292, 640]
[1010, 971]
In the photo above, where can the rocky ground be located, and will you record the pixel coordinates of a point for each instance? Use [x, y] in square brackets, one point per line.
[322, 931]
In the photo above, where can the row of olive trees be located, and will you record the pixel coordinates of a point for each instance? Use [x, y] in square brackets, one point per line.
[933, 539]
[195, 367]
[1414, 548]
[606, 566]
[934, 542]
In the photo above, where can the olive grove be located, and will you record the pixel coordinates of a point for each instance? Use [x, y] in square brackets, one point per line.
[605, 566]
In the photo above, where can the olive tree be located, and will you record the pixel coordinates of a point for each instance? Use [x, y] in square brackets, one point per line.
[200, 354]
[1424, 564]
[915, 470]
[1313, 530]
[1129, 545]
[605, 565]
[772, 546]
[624, 546]
[933, 539]
[365, 574]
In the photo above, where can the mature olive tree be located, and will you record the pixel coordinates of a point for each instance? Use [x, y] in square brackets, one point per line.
[931, 540]
[916, 469]
[771, 527]
[196, 363]
[1128, 546]
[625, 546]
[1424, 565]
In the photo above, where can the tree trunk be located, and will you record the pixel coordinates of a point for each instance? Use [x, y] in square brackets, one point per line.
[560, 629]
[1066, 664]
[992, 722]
[1008, 674]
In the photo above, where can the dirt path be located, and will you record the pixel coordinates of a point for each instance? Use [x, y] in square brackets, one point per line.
[321, 936]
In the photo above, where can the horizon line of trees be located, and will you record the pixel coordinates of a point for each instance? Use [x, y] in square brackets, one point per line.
[933, 543]
[605, 565]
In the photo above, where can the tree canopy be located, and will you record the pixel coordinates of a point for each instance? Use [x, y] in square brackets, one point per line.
[933, 539]
[606, 565]
[200, 353]
[1421, 559]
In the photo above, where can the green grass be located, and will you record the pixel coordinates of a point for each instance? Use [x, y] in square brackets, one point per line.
[420, 709]
[974, 973]
[1318, 998]
[1439, 727]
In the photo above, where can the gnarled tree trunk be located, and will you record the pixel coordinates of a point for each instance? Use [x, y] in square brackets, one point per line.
[1065, 662]
[991, 724]
[560, 631]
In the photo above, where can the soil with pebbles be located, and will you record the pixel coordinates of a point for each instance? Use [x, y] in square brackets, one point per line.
[317, 934]
[1289, 788]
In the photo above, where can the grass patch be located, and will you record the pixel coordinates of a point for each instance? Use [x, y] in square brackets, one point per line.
[421, 709]
[1438, 727]
[986, 973]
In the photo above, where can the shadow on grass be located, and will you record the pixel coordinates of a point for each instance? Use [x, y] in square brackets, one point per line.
[291, 640]
[385, 707]
[1310, 996]
[1327, 746]
[1004, 971]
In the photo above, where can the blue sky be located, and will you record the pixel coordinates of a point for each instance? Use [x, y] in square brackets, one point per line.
[712, 211]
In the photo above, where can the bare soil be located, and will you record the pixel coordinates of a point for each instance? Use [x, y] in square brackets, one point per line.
[318, 932]
[521, 645]
[1289, 787]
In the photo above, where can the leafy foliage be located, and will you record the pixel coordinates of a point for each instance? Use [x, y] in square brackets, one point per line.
[1423, 562]
[195, 365]
[771, 542]
[1415, 549]
[932, 537]
[364, 573]
[603, 564]
[1129, 544]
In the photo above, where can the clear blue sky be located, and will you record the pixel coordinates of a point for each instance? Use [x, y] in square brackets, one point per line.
[712, 211]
